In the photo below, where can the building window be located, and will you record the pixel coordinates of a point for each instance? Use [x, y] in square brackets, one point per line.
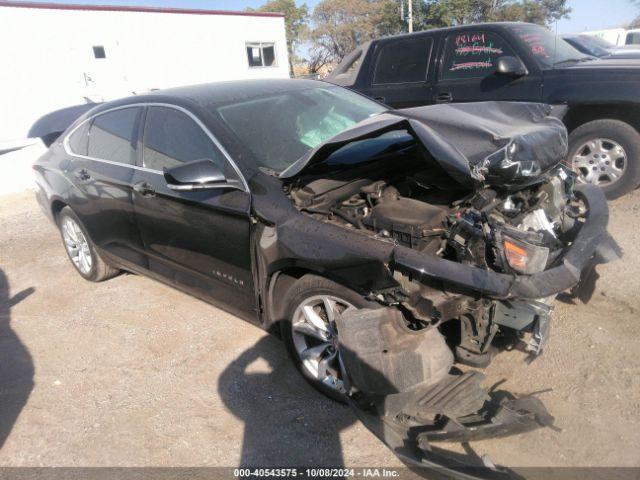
[261, 54]
[98, 52]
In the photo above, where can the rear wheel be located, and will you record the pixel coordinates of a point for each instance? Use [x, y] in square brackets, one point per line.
[606, 153]
[310, 332]
[80, 248]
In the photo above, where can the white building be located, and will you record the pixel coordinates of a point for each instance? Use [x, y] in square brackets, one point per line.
[53, 55]
[56, 55]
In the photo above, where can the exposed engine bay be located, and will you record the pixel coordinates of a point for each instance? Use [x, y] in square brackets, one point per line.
[516, 232]
[478, 227]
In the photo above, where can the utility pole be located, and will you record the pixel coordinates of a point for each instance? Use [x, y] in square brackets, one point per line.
[410, 16]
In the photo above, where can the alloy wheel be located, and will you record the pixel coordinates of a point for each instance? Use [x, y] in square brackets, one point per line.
[77, 246]
[315, 338]
[600, 161]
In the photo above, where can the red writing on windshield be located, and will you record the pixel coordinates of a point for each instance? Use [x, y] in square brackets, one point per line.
[470, 38]
[469, 66]
[477, 49]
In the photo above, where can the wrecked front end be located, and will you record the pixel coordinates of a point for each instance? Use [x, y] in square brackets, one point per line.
[462, 224]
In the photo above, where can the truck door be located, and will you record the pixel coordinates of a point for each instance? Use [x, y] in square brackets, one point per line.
[399, 68]
[467, 70]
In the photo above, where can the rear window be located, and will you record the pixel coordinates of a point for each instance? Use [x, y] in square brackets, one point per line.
[403, 61]
[111, 136]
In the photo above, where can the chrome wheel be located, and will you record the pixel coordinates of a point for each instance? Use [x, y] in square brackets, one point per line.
[77, 246]
[315, 338]
[600, 161]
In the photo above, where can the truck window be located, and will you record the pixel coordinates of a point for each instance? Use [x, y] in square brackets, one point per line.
[472, 54]
[633, 38]
[403, 61]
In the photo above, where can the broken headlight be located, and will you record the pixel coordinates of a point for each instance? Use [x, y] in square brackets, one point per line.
[524, 257]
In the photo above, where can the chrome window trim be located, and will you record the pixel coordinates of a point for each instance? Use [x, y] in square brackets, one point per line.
[67, 148]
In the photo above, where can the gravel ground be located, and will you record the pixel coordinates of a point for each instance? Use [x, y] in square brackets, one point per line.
[130, 372]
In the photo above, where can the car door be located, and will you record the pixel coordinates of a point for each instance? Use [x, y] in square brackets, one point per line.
[197, 240]
[101, 167]
[400, 67]
[467, 70]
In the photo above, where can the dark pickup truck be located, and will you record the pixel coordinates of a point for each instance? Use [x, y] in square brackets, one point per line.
[597, 99]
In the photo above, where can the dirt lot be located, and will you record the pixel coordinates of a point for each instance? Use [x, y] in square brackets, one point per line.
[132, 373]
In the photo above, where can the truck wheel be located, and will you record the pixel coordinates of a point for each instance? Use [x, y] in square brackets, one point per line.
[310, 333]
[606, 153]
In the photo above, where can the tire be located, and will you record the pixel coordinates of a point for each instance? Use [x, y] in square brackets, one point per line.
[609, 133]
[308, 289]
[95, 269]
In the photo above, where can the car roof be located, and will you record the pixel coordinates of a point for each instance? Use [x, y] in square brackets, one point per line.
[212, 95]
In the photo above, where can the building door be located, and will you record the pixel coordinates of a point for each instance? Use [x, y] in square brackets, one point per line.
[103, 75]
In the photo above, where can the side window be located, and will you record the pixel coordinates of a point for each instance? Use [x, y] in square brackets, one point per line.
[111, 135]
[403, 61]
[171, 137]
[633, 38]
[79, 139]
[472, 55]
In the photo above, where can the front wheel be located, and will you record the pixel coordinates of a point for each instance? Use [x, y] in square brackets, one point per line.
[310, 333]
[80, 248]
[606, 153]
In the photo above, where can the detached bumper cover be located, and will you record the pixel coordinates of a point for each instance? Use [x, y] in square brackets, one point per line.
[592, 246]
[405, 394]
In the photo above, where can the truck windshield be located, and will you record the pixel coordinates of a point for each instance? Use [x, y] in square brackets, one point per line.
[548, 49]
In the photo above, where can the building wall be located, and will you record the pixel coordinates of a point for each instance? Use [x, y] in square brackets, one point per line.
[47, 60]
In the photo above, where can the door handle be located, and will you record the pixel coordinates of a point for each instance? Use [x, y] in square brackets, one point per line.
[82, 174]
[145, 189]
[380, 99]
[443, 97]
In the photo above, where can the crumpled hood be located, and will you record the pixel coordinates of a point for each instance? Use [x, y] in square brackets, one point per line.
[495, 143]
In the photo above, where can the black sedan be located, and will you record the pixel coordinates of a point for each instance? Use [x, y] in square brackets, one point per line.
[382, 245]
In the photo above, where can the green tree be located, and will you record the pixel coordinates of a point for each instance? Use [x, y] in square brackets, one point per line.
[635, 23]
[295, 19]
[339, 26]
[445, 13]
[440, 13]
[543, 12]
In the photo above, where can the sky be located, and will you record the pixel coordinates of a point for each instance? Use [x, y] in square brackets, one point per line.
[586, 14]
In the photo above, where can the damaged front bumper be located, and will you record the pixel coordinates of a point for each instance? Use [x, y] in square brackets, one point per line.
[402, 387]
[401, 382]
[592, 246]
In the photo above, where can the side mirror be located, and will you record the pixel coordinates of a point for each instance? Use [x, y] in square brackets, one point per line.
[510, 66]
[195, 175]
